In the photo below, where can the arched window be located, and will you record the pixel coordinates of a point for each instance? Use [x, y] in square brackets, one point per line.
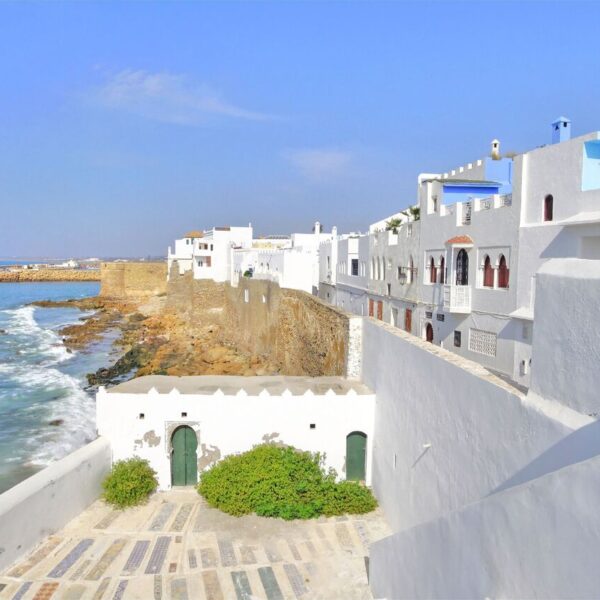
[502, 272]
[548, 208]
[442, 277]
[462, 268]
[432, 273]
[488, 273]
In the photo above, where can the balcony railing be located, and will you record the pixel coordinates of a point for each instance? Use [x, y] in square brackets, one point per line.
[457, 298]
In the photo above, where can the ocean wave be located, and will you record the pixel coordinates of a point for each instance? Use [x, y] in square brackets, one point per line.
[71, 406]
[43, 345]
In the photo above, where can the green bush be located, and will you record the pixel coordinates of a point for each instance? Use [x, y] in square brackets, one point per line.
[275, 481]
[129, 483]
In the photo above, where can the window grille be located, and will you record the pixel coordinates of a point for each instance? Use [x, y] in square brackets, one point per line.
[482, 342]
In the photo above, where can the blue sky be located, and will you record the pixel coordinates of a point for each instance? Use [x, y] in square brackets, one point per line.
[122, 125]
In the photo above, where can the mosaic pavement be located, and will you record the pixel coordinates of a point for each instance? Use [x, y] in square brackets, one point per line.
[177, 547]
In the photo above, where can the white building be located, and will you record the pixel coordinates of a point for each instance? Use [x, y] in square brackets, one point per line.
[293, 264]
[463, 275]
[209, 253]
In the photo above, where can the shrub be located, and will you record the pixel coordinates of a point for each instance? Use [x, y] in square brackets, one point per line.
[129, 483]
[275, 481]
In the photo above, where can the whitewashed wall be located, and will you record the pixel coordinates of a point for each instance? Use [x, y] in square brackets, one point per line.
[446, 431]
[48, 500]
[566, 353]
[229, 424]
[537, 540]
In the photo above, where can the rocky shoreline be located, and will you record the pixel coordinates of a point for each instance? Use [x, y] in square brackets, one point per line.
[29, 275]
[154, 341]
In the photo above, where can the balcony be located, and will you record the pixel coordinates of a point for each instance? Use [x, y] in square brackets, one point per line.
[457, 298]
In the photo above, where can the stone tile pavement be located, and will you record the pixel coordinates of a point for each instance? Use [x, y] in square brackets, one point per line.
[177, 547]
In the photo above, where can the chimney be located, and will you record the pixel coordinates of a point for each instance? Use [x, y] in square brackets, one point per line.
[495, 150]
[561, 130]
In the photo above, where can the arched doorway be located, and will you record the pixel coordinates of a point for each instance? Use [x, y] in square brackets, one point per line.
[429, 332]
[184, 459]
[356, 456]
[462, 268]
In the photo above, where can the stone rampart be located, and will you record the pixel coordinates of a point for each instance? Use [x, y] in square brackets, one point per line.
[132, 279]
[301, 333]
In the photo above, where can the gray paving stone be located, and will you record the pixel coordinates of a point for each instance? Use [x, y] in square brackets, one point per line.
[179, 589]
[120, 589]
[159, 553]
[192, 562]
[227, 553]
[212, 587]
[108, 520]
[157, 587]
[294, 551]
[272, 552]
[343, 536]
[208, 558]
[101, 589]
[137, 556]
[22, 590]
[182, 516]
[311, 548]
[243, 591]
[78, 574]
[247, 554]
[106, 560]
[270, 583]
[68, 561]
[160, 520]
[362, 533]
[296, 580]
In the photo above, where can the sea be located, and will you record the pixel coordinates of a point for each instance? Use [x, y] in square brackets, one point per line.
[46, 407]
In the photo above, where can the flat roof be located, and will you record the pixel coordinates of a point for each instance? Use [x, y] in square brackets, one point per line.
[230, 385]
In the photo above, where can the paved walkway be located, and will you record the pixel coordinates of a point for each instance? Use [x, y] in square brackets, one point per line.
[177, 547]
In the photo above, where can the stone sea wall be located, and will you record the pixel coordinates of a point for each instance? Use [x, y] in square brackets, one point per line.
[302, 334]
[22, 275]
[121, 280]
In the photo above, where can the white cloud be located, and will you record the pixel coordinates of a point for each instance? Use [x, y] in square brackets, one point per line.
[319, 163]
[167, 97]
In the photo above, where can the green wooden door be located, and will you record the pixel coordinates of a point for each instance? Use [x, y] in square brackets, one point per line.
[356, 454]
[184, 467]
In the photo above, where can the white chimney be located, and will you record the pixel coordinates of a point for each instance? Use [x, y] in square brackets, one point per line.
[495, 150]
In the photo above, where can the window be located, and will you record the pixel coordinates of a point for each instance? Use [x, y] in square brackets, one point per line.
[432, 272]
[389, 289]
[502, 273]
[411, 269]
[442, 270]
[488, 273]
[548, 208]
[457, 341]
[355, 267]
[482, 342]
[462, 268]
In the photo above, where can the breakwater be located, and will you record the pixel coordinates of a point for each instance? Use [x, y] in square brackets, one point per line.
[28, 275]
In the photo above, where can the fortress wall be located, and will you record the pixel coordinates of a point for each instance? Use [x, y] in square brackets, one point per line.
[48, 500]
[303, 334]
[132, 279]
